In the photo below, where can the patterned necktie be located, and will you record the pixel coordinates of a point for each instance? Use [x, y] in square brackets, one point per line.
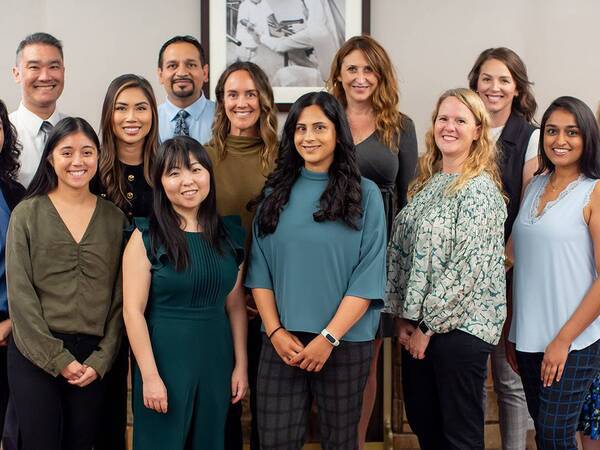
[46, 129]
[181, 127]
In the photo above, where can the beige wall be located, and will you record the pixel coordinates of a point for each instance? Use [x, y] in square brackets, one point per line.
[102, 40]
[433, 44]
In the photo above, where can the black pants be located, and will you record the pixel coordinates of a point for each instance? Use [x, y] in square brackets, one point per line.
[113, 418]
[285, 394]
[443, 393]
[233, 428]
[52, 414]
[556, 409]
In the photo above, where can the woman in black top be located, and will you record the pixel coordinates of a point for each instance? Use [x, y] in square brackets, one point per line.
[499, 76]
[363, 79]
[11, 193]
[129, 132]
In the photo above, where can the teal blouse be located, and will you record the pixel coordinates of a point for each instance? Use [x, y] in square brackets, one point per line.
[311, 266]
[446, 258]
[210, 275]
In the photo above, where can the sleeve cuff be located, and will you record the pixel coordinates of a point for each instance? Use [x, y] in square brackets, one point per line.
[97, 362]
[59, 362]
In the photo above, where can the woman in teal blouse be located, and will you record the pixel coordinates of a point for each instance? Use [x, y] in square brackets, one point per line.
[184, 307]
[317, 273]
[446, 275]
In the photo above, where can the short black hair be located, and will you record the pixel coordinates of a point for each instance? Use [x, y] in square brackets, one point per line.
[187, 38]
[40, 38]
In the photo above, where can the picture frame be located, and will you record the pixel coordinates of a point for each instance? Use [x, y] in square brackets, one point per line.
[293, 44]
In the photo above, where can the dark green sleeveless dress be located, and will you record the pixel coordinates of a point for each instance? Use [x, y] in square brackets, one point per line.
[192, 345]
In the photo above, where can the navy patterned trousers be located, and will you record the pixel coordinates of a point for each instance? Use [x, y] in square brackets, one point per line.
[556, 409]
[285, 394]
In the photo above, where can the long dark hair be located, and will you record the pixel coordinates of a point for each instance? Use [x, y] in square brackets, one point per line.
[165, 223]
[524, 103]
[45, 180]
[342, 196]
[11, 149]
[110, 170]
[589, 164]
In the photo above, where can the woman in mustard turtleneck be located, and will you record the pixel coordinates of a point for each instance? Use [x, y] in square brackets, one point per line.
[243, 150]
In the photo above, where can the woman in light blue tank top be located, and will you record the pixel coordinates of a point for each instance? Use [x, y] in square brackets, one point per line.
[555, 325]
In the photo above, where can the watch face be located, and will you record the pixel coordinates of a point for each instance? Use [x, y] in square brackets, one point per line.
[330, 338]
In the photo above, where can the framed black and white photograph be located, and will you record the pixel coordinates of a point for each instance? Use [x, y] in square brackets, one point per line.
[293, 41]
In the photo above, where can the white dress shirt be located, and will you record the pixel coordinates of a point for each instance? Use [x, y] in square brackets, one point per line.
[31, 137]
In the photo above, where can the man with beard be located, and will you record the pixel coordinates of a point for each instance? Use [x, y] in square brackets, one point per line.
[182, 71]
[40, 71]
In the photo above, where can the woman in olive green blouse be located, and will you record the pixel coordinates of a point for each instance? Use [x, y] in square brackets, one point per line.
[62, 265]
[446, 275]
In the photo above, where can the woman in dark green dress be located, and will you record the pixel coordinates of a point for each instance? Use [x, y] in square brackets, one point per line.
[184, 307]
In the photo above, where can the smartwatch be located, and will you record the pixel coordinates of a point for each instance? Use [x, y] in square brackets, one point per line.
[425, 329]
[330, 337]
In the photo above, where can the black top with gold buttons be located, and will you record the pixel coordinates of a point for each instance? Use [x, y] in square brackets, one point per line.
[139, 192]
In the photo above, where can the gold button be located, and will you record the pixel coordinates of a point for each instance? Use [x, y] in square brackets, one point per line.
[130, 177]
[130, 195]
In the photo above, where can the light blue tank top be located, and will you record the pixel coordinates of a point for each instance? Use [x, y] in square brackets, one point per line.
[554, 266]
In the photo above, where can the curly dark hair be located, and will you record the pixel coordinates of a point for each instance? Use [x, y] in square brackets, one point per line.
[11, 150]
[342, 196]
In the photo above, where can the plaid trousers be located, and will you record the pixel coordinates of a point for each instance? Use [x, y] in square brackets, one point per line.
[285, 393]
[556, 409]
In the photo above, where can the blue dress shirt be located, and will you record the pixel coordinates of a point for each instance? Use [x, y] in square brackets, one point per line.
[199, 121]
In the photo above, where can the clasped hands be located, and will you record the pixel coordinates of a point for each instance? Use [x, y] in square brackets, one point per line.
[79, 374]
[310, 358]
[412, 339]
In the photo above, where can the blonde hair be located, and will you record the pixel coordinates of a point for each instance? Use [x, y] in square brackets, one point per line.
[267, 122]
[482, 155]
[388, 119]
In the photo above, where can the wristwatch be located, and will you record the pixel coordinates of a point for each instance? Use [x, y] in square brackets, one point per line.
[425, 329]
[330, 337]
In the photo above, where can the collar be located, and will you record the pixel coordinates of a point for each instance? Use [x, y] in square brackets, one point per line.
[33, 122]
[195, 109]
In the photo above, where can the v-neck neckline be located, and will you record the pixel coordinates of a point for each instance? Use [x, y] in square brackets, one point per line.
[535, 213]
[66, 228]
[367, 138]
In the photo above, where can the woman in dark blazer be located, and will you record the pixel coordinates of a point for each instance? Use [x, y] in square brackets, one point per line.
[11, 193]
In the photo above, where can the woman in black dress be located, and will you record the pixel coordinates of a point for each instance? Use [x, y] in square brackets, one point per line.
[363, 80]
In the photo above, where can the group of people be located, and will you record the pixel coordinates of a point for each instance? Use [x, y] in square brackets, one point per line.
[223, 259]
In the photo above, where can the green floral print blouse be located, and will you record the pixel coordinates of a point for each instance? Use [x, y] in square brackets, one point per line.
[446, 258]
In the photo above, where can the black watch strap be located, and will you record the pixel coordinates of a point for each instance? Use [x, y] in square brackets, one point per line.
[424, 328]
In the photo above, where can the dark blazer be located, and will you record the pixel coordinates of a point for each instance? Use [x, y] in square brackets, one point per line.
[13, 193]
[512, 146]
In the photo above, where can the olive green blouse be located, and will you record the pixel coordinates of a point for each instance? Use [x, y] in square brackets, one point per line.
[446, 258]
[58, 285]
[239, 177]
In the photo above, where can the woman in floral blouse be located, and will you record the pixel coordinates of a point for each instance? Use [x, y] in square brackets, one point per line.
[446, 275]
